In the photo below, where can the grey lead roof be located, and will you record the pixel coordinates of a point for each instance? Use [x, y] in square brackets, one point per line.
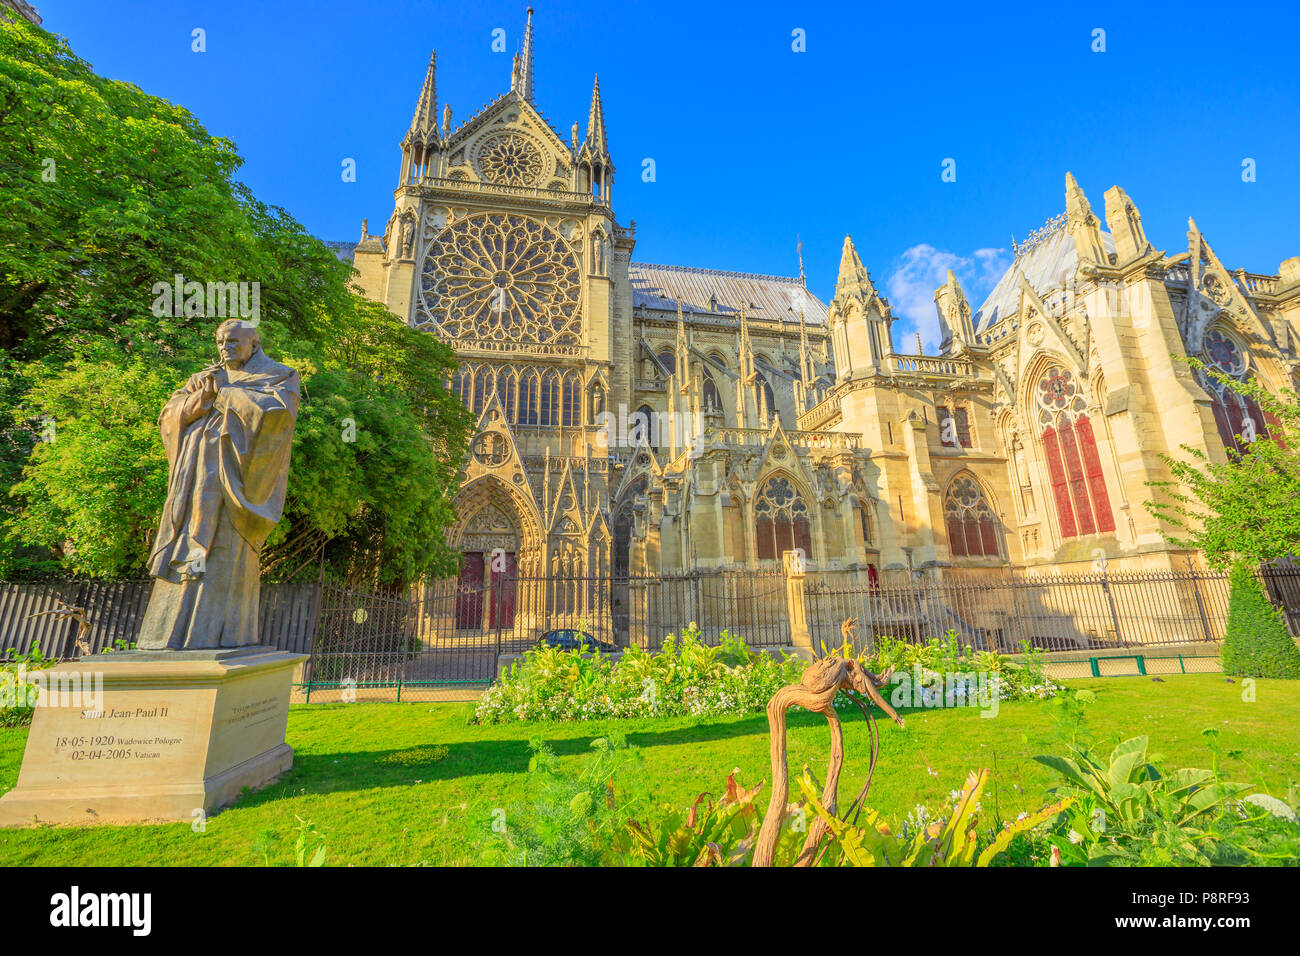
[1047, 266]
[774, 298]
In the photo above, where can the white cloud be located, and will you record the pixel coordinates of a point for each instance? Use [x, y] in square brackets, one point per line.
[922, 269]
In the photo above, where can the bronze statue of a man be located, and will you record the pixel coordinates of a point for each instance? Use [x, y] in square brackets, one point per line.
[228, 433]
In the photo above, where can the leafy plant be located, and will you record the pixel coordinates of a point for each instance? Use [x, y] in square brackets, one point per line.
[571, 819]
[943, 841]
[18, 697]
[687, 676]
[717, 834]
[307, 831]
[948, 663]
[1245, 507]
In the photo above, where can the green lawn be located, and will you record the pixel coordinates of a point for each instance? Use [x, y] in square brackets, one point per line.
[368, 777]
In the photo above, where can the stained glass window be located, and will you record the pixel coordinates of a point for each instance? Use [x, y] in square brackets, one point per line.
[781, 519]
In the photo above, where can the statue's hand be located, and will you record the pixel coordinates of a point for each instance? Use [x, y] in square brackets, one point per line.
[209, 389]
[203, 395]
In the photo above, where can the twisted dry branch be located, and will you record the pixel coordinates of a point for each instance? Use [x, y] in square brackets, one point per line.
[816, 691]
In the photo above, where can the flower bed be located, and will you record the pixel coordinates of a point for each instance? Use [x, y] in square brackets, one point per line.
[687, 677]
[945, 672]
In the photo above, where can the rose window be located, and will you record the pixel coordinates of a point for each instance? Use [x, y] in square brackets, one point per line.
[1058, 392]
[502, 279]
[510, 159]
[1224, 354]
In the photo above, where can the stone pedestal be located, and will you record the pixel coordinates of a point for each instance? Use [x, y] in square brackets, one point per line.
[153, 736]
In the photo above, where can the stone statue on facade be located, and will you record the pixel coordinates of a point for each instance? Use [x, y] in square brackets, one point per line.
[228, 433]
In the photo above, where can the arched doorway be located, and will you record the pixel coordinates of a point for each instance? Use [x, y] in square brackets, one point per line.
[621, 557]
[490, 561]
[497, 536]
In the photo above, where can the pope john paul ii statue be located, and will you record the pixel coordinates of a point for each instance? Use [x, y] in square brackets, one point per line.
[228, 433]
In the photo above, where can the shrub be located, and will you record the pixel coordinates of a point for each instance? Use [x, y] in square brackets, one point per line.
[686, 677]
[570, 819]
[1256, 643]
[17, 696]
[946, 662]
[1131, 810]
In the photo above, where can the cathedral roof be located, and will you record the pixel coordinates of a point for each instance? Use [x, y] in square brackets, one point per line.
[1048, 260]
[774, 298]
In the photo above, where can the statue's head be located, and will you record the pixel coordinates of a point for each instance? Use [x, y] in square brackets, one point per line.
[237, 340]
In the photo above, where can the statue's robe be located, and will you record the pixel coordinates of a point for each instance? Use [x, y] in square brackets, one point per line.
[225, 492]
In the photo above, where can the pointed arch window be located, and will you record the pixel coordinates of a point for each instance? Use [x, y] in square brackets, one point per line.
[954, 426]
[710, 395]
[529, 397]
[484, 381]
[1073, 464]
[769, 398]
[506, 393]
[643, 423]
[972, 527]
[462, 383]
[549, 411]
[572, 405]
[1239, 417]
[781, 519]
[668, 359]
[864, 521]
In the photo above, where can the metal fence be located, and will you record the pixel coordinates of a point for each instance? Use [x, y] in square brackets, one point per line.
[115, 609]
[452, 634]
[1000, 610]
[749, 604]
[448, 635]
[384, 644]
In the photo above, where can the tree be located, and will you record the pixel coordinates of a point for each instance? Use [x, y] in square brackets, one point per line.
[1246, 507]
[1256, 643]
[110, 192]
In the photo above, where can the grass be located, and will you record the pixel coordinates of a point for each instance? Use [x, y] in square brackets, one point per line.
[400, 784]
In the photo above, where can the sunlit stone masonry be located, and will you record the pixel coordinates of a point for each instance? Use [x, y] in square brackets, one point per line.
[645, 419]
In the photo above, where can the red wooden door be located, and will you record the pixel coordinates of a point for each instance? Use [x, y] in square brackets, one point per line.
[469, 595]
[503, 594]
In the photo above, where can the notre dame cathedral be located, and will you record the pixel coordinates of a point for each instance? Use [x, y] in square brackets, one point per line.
[648, 419]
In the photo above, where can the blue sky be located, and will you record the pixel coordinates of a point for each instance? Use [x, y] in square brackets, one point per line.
[753, 142]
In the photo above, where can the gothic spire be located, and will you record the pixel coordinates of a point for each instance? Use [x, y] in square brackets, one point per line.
[853, 279]
[424, 123]
[1083, 225]
[595, 146]
[521, 79]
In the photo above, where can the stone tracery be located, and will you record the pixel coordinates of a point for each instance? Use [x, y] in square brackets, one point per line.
[501, 278]
[510, 158]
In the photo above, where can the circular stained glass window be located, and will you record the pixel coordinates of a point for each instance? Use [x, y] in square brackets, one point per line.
[501, 279]
[510, 159]
[1224, 354]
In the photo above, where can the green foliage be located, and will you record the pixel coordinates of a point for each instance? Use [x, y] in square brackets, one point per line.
[1129, 811]
[1246, 507]
[17, 696]
[306, 831]
[717, 834]
[953, 840]
[947, 662]
[1256, 642]
[686, 676]
[570, 819]
[109, 191]
[303, 854]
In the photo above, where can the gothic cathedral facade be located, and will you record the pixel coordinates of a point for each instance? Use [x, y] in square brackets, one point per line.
[649, 419]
